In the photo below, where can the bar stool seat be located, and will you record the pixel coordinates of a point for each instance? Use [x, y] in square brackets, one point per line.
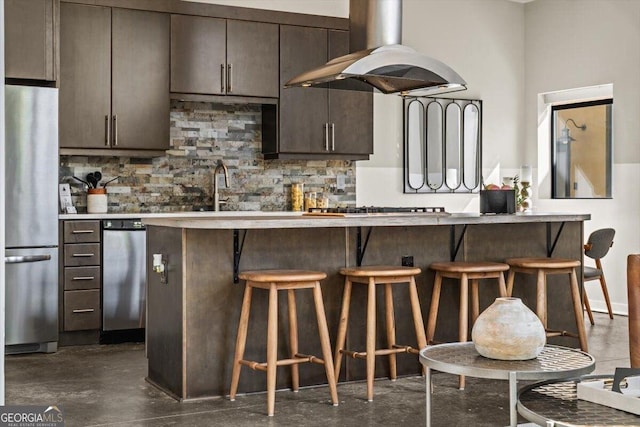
[290, 281]
[542, 267]
[466, 272]
[372, 276]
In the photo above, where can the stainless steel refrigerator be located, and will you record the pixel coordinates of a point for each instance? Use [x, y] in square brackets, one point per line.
[31, 219]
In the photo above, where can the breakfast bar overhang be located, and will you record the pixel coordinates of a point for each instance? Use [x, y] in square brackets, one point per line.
[194, 305]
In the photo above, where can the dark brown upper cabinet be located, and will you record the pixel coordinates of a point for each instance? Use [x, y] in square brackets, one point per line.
[114, 78]
[314, 122]
[223, 57]
[30, 39]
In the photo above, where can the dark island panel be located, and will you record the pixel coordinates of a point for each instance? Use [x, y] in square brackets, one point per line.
[193, 319]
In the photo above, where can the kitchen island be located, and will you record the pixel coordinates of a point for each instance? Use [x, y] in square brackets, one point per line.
[193, 311]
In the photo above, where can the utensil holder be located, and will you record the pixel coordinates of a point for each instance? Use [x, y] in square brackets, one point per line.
[497, 201]
[97, 200]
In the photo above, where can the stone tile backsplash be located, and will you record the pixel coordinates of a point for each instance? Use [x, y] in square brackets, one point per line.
[182, 180]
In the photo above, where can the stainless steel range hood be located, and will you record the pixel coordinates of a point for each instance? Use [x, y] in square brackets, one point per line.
[383, 63]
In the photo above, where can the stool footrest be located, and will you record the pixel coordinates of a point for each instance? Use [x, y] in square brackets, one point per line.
[256, 366]
[551, 333]
[381, 351]
[407, 349]
[298, 358]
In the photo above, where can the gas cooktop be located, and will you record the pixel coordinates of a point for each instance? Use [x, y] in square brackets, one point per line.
[379, 209]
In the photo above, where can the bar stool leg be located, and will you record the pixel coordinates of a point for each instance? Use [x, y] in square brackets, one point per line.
[391, 329]
[587, 306]
[371, 336]
[293, 338]
[342, 327]
[541, 297]
[241, 341]
[510, 279]
[577, 308]
[418, 323]
[272, 348]
[323, 331]
[502, 289]
[475, 303]
[463, 327]
[433, 309]
[603, 285]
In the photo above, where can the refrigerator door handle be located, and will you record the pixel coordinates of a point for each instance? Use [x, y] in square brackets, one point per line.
[26, 258]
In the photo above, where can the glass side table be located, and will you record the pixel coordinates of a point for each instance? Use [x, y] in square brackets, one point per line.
[462, 359]
[556, 403]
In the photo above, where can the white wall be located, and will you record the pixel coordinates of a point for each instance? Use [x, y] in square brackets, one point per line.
[571, 44]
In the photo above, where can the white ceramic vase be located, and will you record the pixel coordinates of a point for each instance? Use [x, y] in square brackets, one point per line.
[508, 330]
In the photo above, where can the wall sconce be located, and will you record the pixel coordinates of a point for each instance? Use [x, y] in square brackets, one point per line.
[160, 267]
[565, 136]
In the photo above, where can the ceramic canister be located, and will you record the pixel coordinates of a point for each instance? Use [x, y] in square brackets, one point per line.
[508, 330]
[97, 200]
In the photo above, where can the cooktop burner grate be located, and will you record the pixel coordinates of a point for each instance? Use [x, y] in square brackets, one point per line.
[379, 209]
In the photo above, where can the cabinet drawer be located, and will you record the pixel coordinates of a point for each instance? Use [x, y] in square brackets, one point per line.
[81, 254]
[81, 278]
[82, 310]
[81, 231]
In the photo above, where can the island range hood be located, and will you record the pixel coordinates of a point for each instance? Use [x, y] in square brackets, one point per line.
[379, 60]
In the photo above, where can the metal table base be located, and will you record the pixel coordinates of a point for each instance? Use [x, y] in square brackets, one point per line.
[555, 403]
[554, 362]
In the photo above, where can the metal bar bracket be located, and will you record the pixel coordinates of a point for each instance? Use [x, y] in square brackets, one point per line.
[237, 252]
[361, 249]
[552, 246]
[453, 245]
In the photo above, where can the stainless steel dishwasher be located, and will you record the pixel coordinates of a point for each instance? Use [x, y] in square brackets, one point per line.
[123, 274]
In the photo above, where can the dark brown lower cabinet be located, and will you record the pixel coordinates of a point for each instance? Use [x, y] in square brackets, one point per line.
[82, 310]
[81, 276]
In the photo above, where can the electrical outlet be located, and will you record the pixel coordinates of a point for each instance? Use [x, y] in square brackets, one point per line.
[340, 182]
[407, 260]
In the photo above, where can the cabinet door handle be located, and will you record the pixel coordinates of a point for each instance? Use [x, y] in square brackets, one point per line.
[326, 137]
[107, 133]
[82, 232]
[333, 137]
[222, 78]
[83, 278]
[115, 129]
[82, 255]
[229, 90]
[84, 310]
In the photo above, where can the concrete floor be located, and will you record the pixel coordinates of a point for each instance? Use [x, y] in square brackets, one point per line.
[105, 386]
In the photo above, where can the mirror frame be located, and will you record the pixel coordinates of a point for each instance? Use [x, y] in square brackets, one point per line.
[462, 183]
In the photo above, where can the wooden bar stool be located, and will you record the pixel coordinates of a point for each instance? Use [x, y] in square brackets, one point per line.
[542, 267]
[465, 272]
[372, 276]
[274, 281]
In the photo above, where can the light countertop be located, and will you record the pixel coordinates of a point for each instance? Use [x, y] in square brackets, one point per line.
[174, 215]
[263, 220]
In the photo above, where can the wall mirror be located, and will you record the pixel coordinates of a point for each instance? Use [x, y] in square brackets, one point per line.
[581, 138]
[442, 145]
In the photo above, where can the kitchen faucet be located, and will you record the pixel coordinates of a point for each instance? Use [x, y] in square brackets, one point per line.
[216, 196]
